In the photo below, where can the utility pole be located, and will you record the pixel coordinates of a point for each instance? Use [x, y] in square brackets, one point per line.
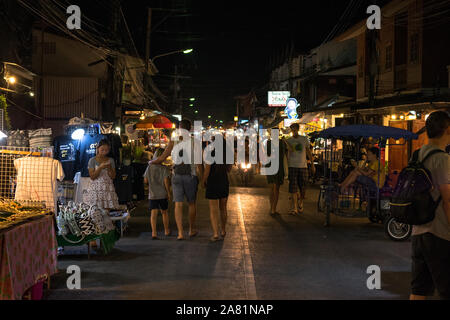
[111, 100]
[147, 41]
[175, 89]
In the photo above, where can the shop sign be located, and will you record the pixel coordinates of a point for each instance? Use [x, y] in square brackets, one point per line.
[291, 108]
[278, 98]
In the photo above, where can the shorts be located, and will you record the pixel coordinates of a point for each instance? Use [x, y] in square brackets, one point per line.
[430, 266]
[368, 182]
[184, 186]
[160, 204]
[298, 179]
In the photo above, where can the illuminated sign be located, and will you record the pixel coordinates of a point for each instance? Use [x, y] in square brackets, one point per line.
[291, 108]
[278, 98]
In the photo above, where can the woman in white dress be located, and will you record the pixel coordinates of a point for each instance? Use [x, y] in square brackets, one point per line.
[102, 171]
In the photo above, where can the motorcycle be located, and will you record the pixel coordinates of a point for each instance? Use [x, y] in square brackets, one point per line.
[245, 173]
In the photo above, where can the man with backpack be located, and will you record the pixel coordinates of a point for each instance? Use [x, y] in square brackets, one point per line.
[431, 240]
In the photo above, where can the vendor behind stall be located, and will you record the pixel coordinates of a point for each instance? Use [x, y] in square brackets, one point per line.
[101, 191]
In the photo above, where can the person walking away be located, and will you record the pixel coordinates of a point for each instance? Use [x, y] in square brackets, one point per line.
[276, 181]
[158, 179]
[431, 241]
[299, 152]
[102, 172]
[215, 181]
[184, 185]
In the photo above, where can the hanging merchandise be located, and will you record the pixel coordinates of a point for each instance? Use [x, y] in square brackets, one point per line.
[66, 150]
[83, 220]
[37, 179]
[106, 127]
[124, 184]
[40, 138]
[18, 138]
[87, 150]
[116, 144]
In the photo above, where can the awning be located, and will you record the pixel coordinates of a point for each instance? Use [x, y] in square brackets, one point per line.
[310, 116]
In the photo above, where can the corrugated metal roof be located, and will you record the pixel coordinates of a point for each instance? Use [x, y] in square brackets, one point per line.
[67, 97]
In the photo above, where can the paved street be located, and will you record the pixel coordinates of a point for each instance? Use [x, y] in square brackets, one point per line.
[262, 257]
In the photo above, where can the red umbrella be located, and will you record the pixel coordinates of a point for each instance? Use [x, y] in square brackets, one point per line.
[155, 122]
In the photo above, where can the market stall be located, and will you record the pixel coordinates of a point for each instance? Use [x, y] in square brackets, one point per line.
[28, 257]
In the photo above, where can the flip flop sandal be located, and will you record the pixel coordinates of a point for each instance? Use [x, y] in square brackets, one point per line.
[214, 239]
[155, 238]
[193, 234]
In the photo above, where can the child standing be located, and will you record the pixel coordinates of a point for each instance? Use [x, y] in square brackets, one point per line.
[158, 179]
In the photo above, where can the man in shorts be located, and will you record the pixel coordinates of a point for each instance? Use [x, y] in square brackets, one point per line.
[184, 185]
[299, 152]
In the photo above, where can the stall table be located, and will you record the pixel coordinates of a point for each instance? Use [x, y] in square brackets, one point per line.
[28, 253]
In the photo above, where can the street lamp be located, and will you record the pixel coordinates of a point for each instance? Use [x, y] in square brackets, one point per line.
[192, 99]
[196, 111]
[11, 79]
[185, 51]
[209, 117]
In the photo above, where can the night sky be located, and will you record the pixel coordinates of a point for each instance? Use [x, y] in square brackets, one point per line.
[233, 42]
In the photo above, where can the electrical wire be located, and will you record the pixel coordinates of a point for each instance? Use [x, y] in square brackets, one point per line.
[22, 109]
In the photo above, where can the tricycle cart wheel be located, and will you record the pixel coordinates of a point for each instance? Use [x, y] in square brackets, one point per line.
[397, 231]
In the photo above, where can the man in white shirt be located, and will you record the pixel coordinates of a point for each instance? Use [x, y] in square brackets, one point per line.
[299, 153]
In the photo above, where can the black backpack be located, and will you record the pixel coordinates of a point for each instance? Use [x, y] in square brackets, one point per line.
[412, 202]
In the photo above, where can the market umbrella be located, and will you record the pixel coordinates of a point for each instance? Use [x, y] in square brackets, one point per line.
[155, 122]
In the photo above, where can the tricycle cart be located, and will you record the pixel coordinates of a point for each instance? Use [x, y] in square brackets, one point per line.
[361, 201]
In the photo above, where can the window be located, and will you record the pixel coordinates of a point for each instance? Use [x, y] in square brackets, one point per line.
[388, 64]
[414, 54]
[332, 81]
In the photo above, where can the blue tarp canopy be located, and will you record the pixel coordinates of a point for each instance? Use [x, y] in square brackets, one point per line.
[366, 131]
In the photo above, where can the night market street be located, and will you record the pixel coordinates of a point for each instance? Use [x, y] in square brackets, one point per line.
[262, 257]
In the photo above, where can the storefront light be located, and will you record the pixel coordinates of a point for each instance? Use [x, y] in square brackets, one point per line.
[393, 117]
[402, 117]
[412, 115]
[426, 117]
[78, 134]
